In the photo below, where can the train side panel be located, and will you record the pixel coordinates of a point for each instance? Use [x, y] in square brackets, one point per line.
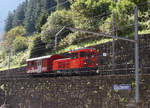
[31, 66]
[61, 64]
[53, 58]
[86, 58]
[42, 64]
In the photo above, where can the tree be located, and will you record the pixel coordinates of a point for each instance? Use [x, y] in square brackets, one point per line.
[19, 14]
[11, 35]
[89, 13]
[90, 8]
[41, 21]
[38, 48]
[20, 44]
[143, 5]
[31, 15]
[9, 20]
[54, 24]
[63, 4]
[47, 5]
[35, 10]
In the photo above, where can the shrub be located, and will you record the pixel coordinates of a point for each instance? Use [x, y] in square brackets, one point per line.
[20, 44]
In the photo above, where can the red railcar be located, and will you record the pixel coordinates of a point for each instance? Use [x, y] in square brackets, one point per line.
[79, 60]
[42, 64]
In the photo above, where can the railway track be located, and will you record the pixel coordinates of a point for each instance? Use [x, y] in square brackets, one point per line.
[20, 73]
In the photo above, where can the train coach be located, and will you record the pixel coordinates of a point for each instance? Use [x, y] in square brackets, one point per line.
[78, 60]
[41, 64]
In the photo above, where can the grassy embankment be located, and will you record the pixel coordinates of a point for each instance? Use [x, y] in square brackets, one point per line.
[17, 59]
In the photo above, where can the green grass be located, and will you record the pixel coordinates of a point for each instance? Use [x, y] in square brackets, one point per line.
[16, 59]
[84, 44]
[96, 42]
[144, 32]
[11, 67]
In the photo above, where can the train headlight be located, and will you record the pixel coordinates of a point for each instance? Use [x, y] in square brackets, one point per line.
[85, 63]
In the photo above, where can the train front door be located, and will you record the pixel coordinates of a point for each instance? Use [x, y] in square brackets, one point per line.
[39, 66]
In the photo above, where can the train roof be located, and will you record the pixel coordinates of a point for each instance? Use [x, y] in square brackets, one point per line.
[39, 58]
[78, 49]
[62, 59]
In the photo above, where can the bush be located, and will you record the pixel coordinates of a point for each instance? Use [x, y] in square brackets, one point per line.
[38, 48]
[54, 24]
[20, 44]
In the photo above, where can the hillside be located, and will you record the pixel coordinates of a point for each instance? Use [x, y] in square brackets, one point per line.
[33, 26]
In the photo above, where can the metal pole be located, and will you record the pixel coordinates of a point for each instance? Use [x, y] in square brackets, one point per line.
[113, 42]
[137, 97]
[9, 59]
[56, 36]
[56, 41]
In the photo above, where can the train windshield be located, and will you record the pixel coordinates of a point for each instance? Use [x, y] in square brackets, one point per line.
[84, 54]
[74, 55]
[87, 54]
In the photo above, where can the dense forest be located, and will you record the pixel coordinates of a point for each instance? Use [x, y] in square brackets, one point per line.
[32, 27]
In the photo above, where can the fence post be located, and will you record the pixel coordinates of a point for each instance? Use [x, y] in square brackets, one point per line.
[137, 97]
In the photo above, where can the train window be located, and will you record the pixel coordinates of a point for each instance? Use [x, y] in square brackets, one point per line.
[84, 54]
[74, 55]
[32, 63]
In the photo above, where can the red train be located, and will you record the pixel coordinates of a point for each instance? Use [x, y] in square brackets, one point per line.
[78, 60]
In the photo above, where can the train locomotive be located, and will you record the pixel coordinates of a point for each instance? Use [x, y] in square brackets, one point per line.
[78, 61]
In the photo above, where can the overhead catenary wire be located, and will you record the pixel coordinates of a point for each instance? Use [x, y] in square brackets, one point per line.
[121, 28]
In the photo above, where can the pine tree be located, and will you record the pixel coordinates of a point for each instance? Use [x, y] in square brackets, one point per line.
[31, 15]
[41, 21]
[62, 4]
[9, 20]
[39, 48]
[19, 15]
[48, 4]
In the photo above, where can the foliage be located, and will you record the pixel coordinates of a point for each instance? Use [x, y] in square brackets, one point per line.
[93, 15]
[90, 8]
[41, 21]
[38, 48]
[68, 40]
[62, 4]
[34, 10]
[88, 13]
[8, 23]
[143, 5]
[11, 35]
[20, 44]
[75, 38]
[54, 24]
[86, 43]
[144, 21]
[16, 60]
[31, 15]
[19, 14]
[124, 16]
